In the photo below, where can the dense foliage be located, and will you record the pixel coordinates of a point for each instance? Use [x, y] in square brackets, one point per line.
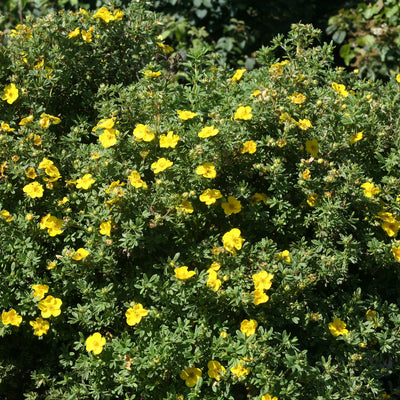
[171, 229]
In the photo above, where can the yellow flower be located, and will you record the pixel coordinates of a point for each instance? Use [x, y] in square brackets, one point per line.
[40, 291]
[6, 128]
[210, 196]
[256, 93]
[232, 240]
[135, 314]
[50, 306]
[239, 370]
[276, 69]
[369, 189]
[398, 78]
[207, 170]
[248, 327]
[338, 327]
[10, 93]
[106, 123]
[108, 138]
[268, 397]
[262, 280]
[232, 206]
[51, 265]
[213, 280]
[151, 74]
[86, 36]
[243, 113]
[106, 16]
[26, 120]
[260, 296]
[312, 147]
[136, 181]
[33, 189]
[160, 165]
[53, 225]
[143, 132]
[297, 98]
[11, 318]
[80, 254]
[191, 375]
[341, 89]
[105, 228]
[238, 75]
[259, 197]
[85, 182]
[183, 273]
[46, 120]
[396, 252]
[306, 174]
[185, 115]
[312, 199]
[165, 47]
[63, 201]
[284, 255]
[6, 215]
[356, 137]
[371, 316]
[304, 124]
[186, 207]
[215, 370]
[249, 147]
[40, 326]
[208, 131]
[169, 140]
[95, 343]
[390, 223]
[74, 33]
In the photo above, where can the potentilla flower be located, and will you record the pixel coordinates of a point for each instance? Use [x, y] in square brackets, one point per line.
[396, 252]
[40, 291]
[52, 223]
[169, 140]
[95, 343]
[338, 327]
[306, 174]
[10, 93]
[6, 215]
[259, 197]
[371, 316]
[339, 88]
[268, 397]
[136, 181]
[239, 370]
[243, 113]
[108, 138]
[105, 228]
[50, 306]
[285, 255]
[151, 74]
[312, 199]
[46, 120]
[161, 165]
[135, 314]
[40, 326]
[297, 98]
[33, 189]
[232, 240]
[85, 182]
[213, 280]
[107, 16]
[76, 32]
[183, 273]
[185, 115]
[312, 147]
[248, 327]
[80, 254]
[238, 75]
[185, 207]
[260, 297]
[207, 170]
[262, 280]
[232, 206]
[11, 318]
[215, 370]
[191, 375]
[356, 137]
[277, 69]
[249, 147]
[4, 127]
[370, 190]
[304, 124]
[143, 132]
[208, 131]
[26, 120]
[210, 196]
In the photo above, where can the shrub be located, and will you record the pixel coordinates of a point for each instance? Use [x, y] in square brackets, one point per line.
[192, 232]
[369, 37]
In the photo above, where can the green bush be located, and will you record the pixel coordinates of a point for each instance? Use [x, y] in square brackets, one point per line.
[171, 229]
[369, 36]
